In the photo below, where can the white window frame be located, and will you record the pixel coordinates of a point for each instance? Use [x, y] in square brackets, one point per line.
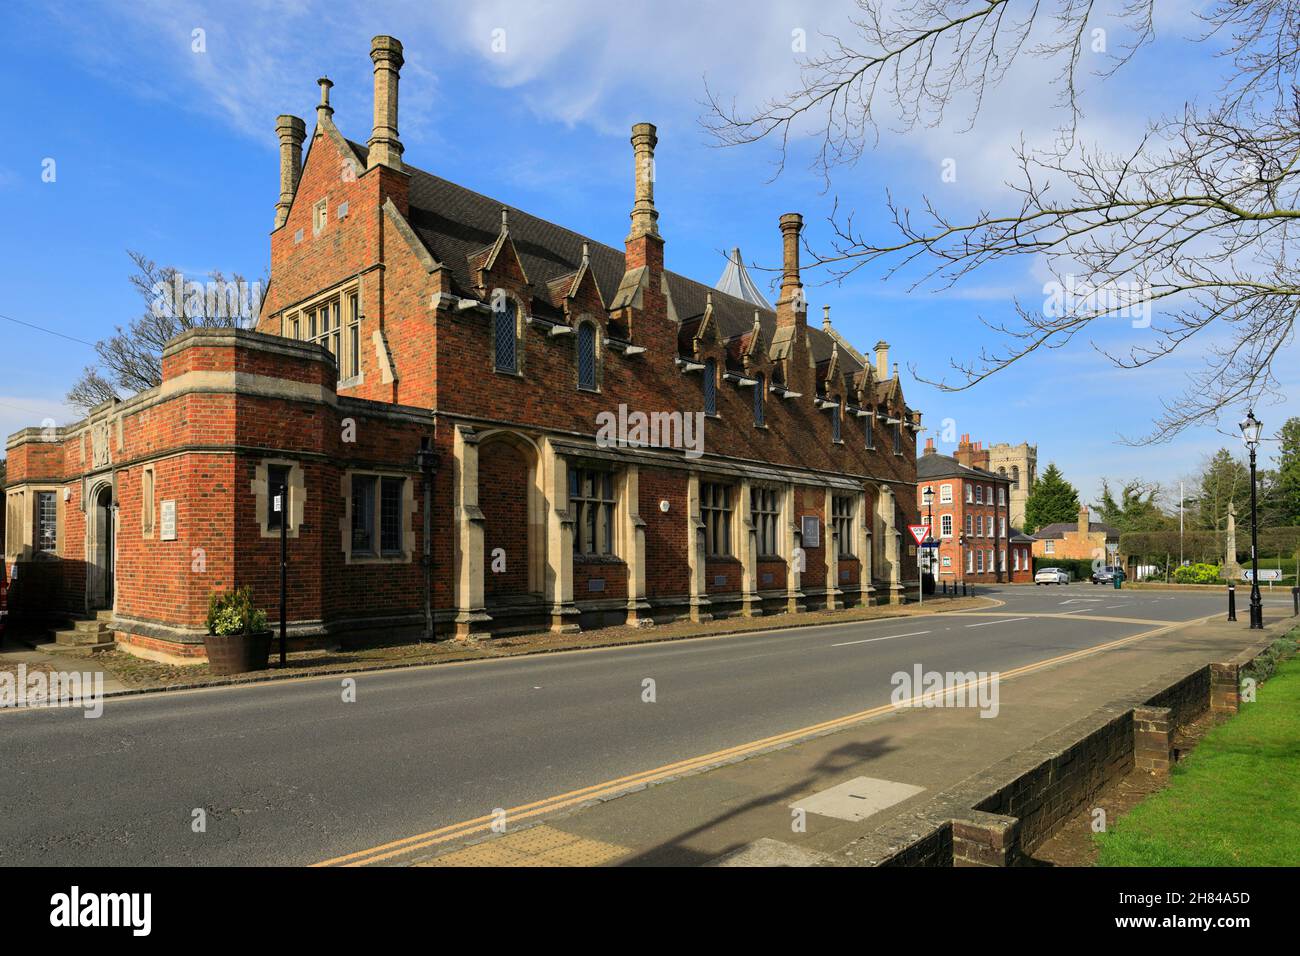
[945, 494]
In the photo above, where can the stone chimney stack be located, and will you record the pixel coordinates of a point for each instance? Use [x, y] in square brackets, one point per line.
[385, 147]
[645, 218]
[1083, 519]
[791, 307]
[882, 360]
[323, 109]
[292, 131]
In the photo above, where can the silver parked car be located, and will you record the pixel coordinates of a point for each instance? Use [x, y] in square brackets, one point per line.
[1052, 576]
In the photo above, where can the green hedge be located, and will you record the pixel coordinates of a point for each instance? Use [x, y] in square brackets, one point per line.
[1080, 568]
[1197, 574]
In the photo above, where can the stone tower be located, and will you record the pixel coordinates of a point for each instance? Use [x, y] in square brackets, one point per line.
[1020, 464]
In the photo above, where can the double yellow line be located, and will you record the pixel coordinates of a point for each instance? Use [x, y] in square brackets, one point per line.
[609, 788]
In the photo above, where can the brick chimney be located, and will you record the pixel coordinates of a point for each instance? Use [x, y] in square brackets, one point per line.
[640, 298]
[929, 447]
[791, 307]
[882, 360]
[385, 147]
[292, 131]
[1083, 519]
[964, 448]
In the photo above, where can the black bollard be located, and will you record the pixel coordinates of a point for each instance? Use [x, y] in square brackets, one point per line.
[1232, 602]
[1295, 600]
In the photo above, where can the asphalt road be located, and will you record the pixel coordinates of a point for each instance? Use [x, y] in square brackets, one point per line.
[289, 773]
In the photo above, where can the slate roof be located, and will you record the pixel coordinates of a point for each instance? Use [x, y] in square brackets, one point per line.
[456, 224]
[945, 466]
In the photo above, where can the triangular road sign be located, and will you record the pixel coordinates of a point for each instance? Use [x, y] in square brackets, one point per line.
[919, 531]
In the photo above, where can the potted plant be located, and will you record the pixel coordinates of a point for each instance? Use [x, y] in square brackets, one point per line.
[238, 639]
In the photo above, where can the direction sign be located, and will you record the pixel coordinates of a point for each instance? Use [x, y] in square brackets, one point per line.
[1265, 574]
[919, 531]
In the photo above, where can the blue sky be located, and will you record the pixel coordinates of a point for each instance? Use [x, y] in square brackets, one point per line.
[172, 152]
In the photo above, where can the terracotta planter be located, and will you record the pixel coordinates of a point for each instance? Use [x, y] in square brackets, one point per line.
[237, 653]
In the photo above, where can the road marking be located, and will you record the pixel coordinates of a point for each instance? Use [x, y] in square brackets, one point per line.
[1004, 621]
[610, 788]
[872, 640]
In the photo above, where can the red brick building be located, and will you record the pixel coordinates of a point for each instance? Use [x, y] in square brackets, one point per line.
[971, 522]
[614, 442]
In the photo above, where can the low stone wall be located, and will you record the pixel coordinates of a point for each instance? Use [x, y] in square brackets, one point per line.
[998, 816]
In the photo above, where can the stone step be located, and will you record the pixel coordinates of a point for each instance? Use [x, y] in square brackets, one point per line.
[82, 637]
[92, 626]
[106, 616]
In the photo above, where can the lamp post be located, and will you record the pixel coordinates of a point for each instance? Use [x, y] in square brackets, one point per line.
[426, 459]
[927, 498]
[1250, 429]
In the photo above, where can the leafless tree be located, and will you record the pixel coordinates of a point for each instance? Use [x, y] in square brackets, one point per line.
[1188, 230]
[130, 360]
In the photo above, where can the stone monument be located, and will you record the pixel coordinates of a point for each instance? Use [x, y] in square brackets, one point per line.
[1232, 571]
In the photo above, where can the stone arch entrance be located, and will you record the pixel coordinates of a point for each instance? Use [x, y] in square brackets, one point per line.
[101, 566]
[510, 499]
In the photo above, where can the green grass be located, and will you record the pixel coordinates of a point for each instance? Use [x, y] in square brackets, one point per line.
[1234, 801]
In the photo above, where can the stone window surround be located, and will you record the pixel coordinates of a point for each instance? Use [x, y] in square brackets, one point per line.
[598, 349]
[778, 497]
[342, 292]
[25, 535]
[262, 496]
[148, 500]
[521, 322]
[407, 512]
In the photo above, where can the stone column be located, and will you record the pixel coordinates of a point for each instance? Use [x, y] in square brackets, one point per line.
[553, 472]
[750, 603]
[832, 548]
[888, 542]
[471, 612]
[794, 597]
[632, 546]
[862, 528]
[695, 552]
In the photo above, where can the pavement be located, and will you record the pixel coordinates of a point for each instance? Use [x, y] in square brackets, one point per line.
[677, 753]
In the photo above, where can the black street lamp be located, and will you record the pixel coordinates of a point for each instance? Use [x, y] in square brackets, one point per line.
[1250, 429]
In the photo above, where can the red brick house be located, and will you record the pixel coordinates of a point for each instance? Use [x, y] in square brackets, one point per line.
[614, 442]
[971, 520]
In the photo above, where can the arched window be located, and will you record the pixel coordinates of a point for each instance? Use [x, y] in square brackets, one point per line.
[711, 387]
[506, 345]
[1015, 476]
[587, 356]
[760, 396]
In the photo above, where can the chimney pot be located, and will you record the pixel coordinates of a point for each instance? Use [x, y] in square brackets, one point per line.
[385, 147]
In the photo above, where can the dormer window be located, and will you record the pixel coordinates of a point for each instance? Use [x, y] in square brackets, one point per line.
[760, 396]
[835, 420]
